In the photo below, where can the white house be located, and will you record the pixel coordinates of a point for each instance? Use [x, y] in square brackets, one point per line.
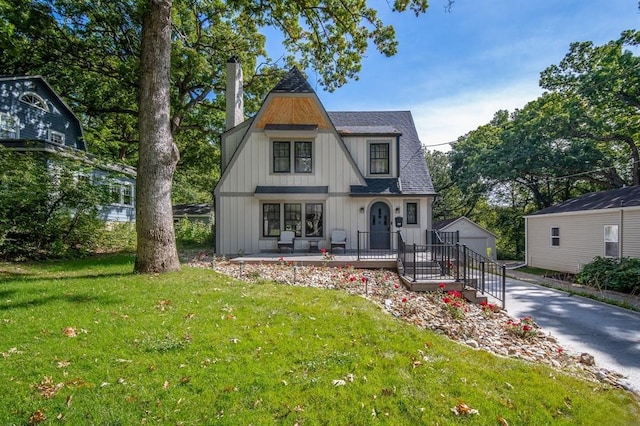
[294, 166]
[474, 236]
[567, 236]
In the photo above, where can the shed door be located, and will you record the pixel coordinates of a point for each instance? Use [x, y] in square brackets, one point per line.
[380, 226]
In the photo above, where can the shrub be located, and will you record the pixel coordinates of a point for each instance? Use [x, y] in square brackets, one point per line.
[48, 209]
[614, 274]
[117, 237]
[191, 234]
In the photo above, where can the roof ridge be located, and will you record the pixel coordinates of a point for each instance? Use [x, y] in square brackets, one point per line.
[293, 82]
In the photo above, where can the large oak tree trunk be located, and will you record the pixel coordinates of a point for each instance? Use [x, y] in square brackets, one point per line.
[158, 154]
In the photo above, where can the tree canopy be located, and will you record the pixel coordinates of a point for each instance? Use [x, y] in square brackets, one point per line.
[582, 135]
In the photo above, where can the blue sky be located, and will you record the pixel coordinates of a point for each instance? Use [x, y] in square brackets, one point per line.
[455, 70]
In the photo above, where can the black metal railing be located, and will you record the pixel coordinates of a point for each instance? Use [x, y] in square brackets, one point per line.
[448, 261]
[377, 245]
[440, 259]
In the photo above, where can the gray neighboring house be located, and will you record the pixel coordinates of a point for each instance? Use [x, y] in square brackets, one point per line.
[474, 236]
[294, 166]
[33, 117]
[569, 235]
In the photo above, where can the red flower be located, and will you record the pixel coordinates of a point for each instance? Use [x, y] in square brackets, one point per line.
[446, 300]
[364, 279]
[442, 286]
[352, 278]
[404, 300]
[396, 286]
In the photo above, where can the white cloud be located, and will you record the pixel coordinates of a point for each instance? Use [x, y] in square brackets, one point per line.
[443, 120]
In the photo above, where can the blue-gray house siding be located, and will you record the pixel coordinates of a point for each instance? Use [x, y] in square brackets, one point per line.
[36, 123]
[34, 118]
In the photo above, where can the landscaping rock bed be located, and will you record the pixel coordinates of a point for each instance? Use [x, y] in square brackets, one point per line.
[479, 327]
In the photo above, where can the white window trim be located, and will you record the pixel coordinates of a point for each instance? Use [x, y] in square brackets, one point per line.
[4, 117]
[120, 187]
[56, 133]
[44, 106]
[617, 241]
[551, 236]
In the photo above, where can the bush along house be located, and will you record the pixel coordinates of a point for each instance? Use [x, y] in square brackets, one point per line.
[34, 118]
[296, 167]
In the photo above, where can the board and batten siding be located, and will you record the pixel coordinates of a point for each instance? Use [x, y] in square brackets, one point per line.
[253, 167]
[359, 149]
[581, 237]
[242, 215]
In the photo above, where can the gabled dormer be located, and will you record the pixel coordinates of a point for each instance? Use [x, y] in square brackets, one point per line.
[31, 111]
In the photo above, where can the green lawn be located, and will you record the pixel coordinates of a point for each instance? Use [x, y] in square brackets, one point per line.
[88, 342]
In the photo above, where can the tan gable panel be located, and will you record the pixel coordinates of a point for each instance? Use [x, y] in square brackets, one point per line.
[293, 110]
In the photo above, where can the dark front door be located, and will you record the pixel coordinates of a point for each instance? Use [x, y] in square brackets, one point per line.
[380, 226]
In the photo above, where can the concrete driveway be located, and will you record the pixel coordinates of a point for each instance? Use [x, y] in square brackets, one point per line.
[609, 333]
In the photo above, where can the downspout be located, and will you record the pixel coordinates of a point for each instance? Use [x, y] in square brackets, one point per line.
[621, 236]
[398, 156]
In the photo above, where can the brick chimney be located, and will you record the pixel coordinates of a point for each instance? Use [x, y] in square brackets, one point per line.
[235, 103]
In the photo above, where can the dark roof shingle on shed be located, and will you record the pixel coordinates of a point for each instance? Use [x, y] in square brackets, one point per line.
[613, 198]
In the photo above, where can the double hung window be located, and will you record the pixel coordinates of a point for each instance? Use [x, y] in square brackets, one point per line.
[379, 158]
[611, 240]
[555, 236]
[296, 156]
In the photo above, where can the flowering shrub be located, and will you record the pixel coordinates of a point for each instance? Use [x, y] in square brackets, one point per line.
[488, 309]
[409, 306]
[524, 328]
[455, 304]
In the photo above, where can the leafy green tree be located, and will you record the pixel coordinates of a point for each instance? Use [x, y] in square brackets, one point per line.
[47, 208]
[450, 199]
[102, 43]
[605, 80]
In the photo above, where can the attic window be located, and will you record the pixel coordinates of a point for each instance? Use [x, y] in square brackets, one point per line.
[34, 100]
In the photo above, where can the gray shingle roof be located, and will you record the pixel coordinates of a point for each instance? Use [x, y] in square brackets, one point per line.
[292, 189]
[293, 82]
[414, 176]
[613, 198]
[443, 223]
[377, 186]
[192, 209]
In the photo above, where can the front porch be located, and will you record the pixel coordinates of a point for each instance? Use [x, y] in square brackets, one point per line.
[421, 267]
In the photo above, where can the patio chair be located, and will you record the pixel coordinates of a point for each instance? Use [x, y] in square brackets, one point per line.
[338, 239]
[286, 240]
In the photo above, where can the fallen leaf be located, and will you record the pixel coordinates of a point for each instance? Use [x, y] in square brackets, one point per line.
[502, 421]
[47, 388]
[463, 409]
[37, 417]
[165, 385]
[416, 364]
[338, 382]
[70, 331]
[63, 364]
[69, 398]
